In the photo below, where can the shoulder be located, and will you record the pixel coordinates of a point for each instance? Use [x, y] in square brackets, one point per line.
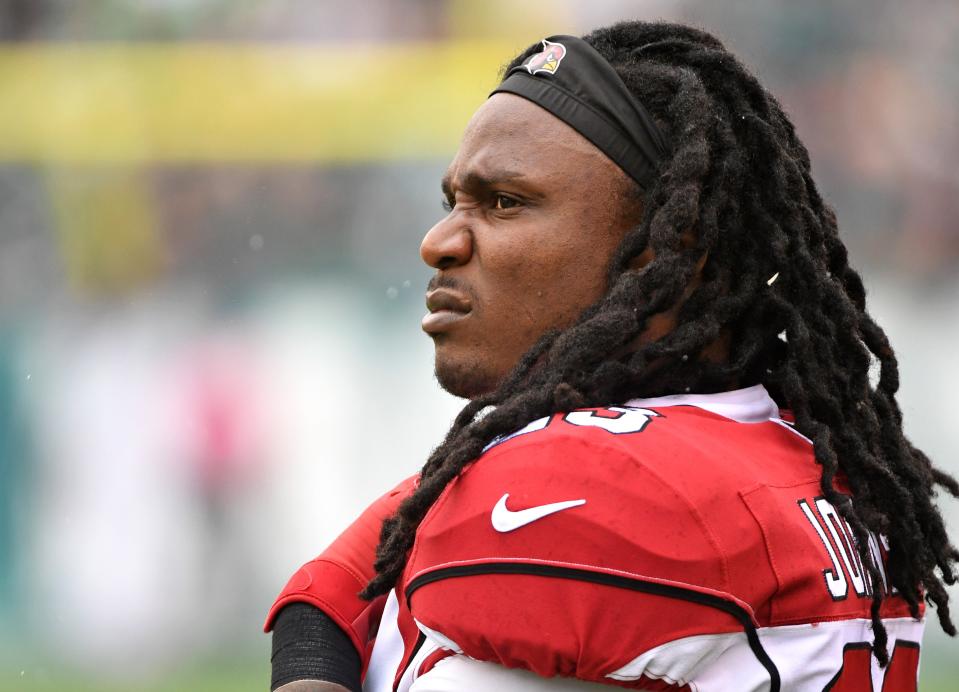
[624, 487]
[654, 491]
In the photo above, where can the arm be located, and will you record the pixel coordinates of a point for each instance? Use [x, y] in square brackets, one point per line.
[322, 629]
[309, 647]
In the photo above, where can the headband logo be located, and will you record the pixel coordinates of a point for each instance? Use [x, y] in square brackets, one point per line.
[548, 59]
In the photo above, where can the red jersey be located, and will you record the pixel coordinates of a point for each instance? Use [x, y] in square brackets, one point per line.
[677, 543]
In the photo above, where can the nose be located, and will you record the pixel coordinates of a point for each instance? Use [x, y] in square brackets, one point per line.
[448, 244]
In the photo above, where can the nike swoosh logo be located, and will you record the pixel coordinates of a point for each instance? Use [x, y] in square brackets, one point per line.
[504, 520]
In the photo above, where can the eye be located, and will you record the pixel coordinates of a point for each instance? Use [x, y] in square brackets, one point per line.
[504, 202]
[447, 204]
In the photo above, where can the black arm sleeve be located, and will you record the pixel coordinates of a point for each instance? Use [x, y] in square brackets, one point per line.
[308, 645]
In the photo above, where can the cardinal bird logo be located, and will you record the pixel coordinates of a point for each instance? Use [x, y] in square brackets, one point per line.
[548, 59]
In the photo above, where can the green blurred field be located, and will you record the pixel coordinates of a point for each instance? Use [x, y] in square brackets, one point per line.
[209, 676]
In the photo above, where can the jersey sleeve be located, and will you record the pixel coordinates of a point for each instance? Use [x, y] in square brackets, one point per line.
[576, 554]
[333, 580]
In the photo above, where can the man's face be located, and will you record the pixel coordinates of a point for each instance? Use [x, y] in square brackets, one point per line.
[537, 211]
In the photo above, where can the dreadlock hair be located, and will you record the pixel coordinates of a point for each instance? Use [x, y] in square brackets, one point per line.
[776, 282]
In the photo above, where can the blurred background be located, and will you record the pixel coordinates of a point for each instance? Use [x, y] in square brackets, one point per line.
[210, 289]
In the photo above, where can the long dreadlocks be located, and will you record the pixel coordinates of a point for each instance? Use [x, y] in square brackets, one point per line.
[776, 284]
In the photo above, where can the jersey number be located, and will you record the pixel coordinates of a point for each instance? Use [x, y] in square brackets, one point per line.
[614, 419]
[619, 420]
[856, 673]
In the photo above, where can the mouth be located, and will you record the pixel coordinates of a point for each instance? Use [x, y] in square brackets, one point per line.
[446, 308]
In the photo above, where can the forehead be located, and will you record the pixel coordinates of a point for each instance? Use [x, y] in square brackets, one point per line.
[511, 133]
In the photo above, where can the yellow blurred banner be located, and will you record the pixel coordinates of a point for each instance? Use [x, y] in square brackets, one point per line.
[136, 103]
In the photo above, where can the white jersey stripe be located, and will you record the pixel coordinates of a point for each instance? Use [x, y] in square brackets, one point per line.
[387, 650]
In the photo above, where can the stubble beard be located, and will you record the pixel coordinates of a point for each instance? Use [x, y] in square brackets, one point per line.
[468, 380]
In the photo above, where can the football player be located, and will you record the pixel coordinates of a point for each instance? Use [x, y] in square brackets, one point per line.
[674, 471]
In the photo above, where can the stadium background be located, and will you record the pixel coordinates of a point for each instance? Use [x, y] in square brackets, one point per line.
[210, 289]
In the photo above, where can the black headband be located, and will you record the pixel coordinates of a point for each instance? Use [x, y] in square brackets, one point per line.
[576, 84]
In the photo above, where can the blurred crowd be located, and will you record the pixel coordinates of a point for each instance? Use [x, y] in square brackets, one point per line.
[206, 367]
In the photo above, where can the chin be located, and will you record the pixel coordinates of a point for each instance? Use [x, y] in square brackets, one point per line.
[466, 380]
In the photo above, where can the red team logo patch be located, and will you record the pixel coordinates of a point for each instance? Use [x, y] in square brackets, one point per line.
[548, 59]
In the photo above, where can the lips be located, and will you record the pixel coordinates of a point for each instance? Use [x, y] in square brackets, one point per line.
[445, 309]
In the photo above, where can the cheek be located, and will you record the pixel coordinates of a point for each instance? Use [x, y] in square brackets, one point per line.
[551, 285]
[543, 273]
[580, 260]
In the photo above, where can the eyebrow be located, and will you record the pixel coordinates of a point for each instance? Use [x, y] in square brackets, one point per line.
[481, 181]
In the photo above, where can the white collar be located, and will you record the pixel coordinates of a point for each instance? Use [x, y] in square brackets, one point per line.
[749, 405]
